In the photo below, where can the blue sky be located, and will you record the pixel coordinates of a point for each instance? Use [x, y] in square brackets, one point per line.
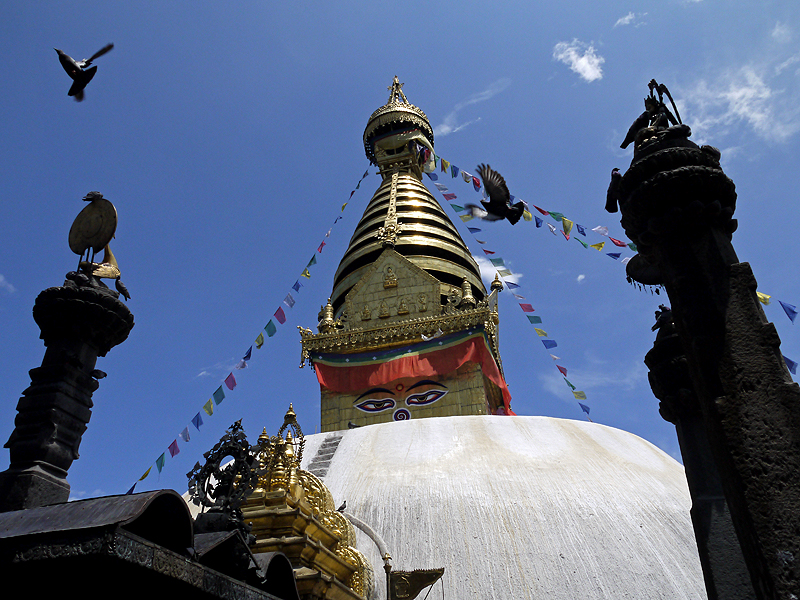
[229, 137]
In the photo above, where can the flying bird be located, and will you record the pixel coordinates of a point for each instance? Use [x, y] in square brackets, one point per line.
[499, 206]
[80, 71]
[612, 195]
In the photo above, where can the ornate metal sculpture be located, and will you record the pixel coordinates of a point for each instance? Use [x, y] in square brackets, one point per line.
[223, 487]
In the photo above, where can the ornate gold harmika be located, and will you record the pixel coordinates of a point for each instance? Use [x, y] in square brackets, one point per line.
[292, 511]
[381, 337]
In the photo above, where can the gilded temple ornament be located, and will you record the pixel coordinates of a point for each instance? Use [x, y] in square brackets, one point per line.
[389, 278]
[402, 308]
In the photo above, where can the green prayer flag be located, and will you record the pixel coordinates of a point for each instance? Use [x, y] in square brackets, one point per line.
[556, 215]
[208, 407]
[584, 244]
[579, 395]
[497, 262]
[270, 328]
[568, 383]
[219, 395]
[313, 261]
[504, 273]
[633, 247]
[260, 341]
[457, 208]
[533, 319]
[160, 462]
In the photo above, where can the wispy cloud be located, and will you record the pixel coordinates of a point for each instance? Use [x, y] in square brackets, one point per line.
[488, 271]
[782, 33]
[750, 96]
[631, 18]
[451, 121]
[593, 378]
[218, 369]
[581, 277]
[6, 286]
[581, 58]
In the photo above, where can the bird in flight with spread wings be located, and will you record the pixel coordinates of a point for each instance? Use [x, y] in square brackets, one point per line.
[80, 71]
[499, 206]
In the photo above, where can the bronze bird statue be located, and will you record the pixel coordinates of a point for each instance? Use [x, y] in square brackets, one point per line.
[612, 195]
[80, 71]
[499, 206]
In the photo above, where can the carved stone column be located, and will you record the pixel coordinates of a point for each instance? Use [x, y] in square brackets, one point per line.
[677, 206]
[79, 322]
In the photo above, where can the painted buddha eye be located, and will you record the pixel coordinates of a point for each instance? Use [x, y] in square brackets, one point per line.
[425, 397]
[375, 404]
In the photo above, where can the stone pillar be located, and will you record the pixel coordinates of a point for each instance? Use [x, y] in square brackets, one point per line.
[677, 206]
[724, 570]
[79, 321]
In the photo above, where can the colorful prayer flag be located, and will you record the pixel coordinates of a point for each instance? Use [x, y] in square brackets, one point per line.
[598, 246]
[259, 341]
[289, 301]
[297, 285]
[763, 298]
[305, 274]
[218, 395]
[130, 491]
[566, 235]
[497, 262]
[270, 328]
[518, 296]
[601, 230]
[473, 229]
[549, 344]
[489, 252]
[633, 247]
[433, 176]
[526, 214]
[345, 204]
[614, 255]
[504, 273]
[466, 217]
[541, 210]
[457, 207]
[280, 315]
[445, 166]
[173, 448]
[511, 285]
[312, 262]
[449, 196]
[146, 473]
[160, 461]
[540, 332]
[556, 215]
[791, 365]
[584, 408]
[533, 319]
[466, 176]
[789, 309]
[230, 382]
[562, 369]
[184, 435]
[567, 225]
[581, 229]
[476, 183]
[197, 421]
[579, 395]
[454, 171]
[321, 246]
[619, 243]
[584, 244]
[552, 228]
[248, 354]
[208, 407]
[567, 382]
[539, 222]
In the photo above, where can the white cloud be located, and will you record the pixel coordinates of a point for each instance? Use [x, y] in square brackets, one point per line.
[631, 18]
[488, 271]
[747, 96]
[451, 124]
[6, 286]
[591, 378]
[781, 33]
[580, 58]
[581, 277]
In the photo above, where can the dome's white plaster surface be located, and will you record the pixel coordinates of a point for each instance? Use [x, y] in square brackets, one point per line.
[520, 507]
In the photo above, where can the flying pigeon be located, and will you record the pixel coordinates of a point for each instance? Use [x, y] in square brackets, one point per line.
[499, 205]
[612, 196]
[80, 71]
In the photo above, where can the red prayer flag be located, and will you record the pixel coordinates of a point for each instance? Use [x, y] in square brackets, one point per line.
[617, 242]
[541, 210]
[449, 196]
[563, 370]
[485, 251]
[173, 448]
[321, 246]
[280, 315]
[526, 307]
[476, 183]
[230, 381]
[566, 235]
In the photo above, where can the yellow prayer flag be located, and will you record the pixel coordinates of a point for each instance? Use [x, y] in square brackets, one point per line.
[598, 247]
[541, 332]
[566, 224]
[305, 274]
[445, 166]
[466, 218]
[260, 341]
[209, 407]
[763, 298]
[527, 215]
[146, 473]
[343, 205]
[579, 395]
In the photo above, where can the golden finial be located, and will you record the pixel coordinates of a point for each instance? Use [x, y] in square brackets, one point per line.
[497, 284]
[396, 94]
[466, 294]
[290, 417]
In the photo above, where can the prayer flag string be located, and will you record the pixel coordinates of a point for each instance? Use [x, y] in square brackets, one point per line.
[230, 380]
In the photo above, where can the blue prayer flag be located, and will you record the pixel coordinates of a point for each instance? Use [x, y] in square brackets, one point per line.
[433, 176]
[789, 309]
[473, 229]
[454, 170]
[580, 229]
[791, 364]
[297, 285]
[197, 421]
[539, 222]
[614, 255]
[511, 285]
[549, 344]
[584, 408]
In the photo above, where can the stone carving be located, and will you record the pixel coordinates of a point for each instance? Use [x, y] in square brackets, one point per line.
[389, 278]
[422, 303]
[366, 314]
[383, 313]
[402, 307]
